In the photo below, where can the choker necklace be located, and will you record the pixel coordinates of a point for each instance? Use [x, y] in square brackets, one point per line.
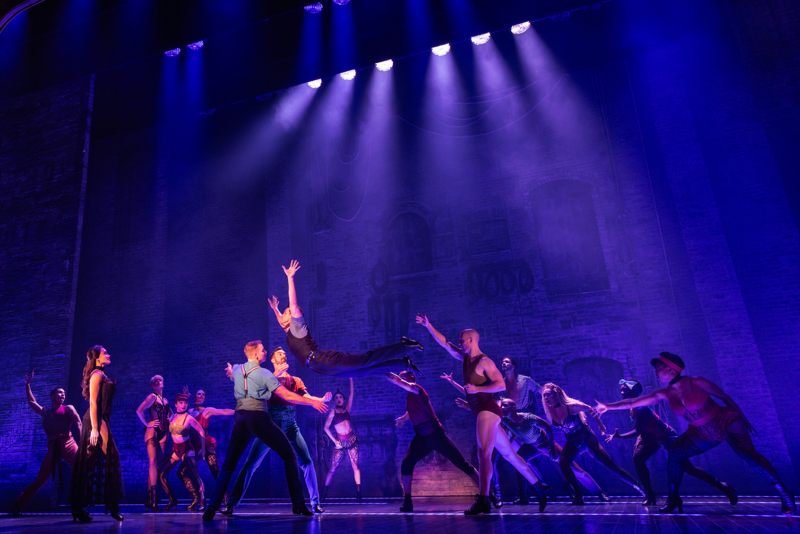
[675, 380]
[183, 412]
[98, 367]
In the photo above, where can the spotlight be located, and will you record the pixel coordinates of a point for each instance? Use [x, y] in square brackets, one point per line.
[348, 75]
[441, 50]
[341, 2]
[481, 39]
[195, 46]
[175, 52]
[519, 29]
[385, 66]
[314, 8]
[315, 84]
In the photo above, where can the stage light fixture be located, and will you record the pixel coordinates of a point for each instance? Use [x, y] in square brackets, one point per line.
[441, 50]
[385, 66]
[314, 8]
[195, 46]
[341, 2]
[481, 39]
[348, 75]
[315, 84]
[519, 29]
[175, 52]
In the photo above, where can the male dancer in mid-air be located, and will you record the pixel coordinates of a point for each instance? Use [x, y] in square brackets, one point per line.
[283, 414]
[331, 362]
[481, 380]
[429, 435]
[57, 421]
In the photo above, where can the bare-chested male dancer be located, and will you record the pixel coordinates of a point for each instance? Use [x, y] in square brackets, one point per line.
[481, 379]
[57, 422]
[331, 362]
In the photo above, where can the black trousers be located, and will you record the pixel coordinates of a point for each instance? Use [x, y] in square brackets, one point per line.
[247, 425]
[421, 446]
[373, 362]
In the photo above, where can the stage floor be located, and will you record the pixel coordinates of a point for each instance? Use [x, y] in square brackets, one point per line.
[706, 515]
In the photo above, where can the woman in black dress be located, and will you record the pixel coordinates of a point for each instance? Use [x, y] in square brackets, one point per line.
[96, 474]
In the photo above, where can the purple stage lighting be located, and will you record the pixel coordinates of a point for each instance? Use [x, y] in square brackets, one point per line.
[385, 66]
[341, 2]
[175, 52]
[195, 46]
[314, 8]
[519, 29]
[348, 75]
[315, 84]
[481, 39]
[441, 50]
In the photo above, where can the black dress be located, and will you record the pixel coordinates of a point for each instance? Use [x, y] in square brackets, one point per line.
[97, 477]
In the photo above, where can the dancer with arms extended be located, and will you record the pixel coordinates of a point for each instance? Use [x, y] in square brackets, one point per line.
[709, 425]
[97, 474]
[155, 435]
[284, 414]
[252, 387]
[57, 422]
[345, 441]
[569, 415]
[652, 433]
[481, 380]
[429, 435]
[331, 362]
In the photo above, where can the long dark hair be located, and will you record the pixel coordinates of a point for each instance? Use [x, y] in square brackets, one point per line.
[91, 359]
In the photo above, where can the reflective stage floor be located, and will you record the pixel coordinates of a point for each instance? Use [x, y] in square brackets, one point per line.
[706, 515]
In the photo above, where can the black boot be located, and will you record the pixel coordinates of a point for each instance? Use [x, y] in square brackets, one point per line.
[673, 501]
[208, 515]
[113, 509]
[522, 499]
[227, 509]
[196, 497]
[301, 509]
[729, 491]
[495, 499]
[650, 500]
[481, 506]
[411, 344]
[411, 365]
[152, 499]
[163, 473]
[788, 505]
[542, 491]
[79, 515]
[408, 506]
[577, 498]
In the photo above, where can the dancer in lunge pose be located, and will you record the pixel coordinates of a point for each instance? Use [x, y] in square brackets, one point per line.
[155, 435]
[96, 472]
[710, 425]
[57, 422]
[481, 380]
[332, 362]
[202, 413]
[569, 415]
[429, 435]
[536, 436]
[283, 413]
[345, 441]
[652, 433]
[183, 451]
[252, 387]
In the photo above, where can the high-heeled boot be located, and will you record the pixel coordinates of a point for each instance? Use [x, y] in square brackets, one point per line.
[163, 480]
[481, 506]
[788, 505]
[113, 509]
[673, 501]
[650, 499]
[729, 491]
[152, 498]
[193, 491]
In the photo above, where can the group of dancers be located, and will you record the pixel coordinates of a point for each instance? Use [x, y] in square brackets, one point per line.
[506, 426]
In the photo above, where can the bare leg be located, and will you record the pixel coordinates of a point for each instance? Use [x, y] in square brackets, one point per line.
[488, 426]
[503, 446]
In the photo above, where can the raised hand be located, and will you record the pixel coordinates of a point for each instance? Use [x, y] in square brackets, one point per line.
[229, 370]
[600, 408]
[327, 397]
[462, 403]
[28, 378]
[423, 320]
[447, 377]
[294, 266]
[273, 302]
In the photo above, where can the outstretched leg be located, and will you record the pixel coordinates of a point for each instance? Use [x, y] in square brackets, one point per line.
[601, 455]
[565, 458]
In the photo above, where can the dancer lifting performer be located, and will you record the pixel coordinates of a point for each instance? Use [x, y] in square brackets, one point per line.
[709, 425]
[332, 362]
[429, 435]
[481, 379]
[57, 422]
[252, 387]
[345, 441]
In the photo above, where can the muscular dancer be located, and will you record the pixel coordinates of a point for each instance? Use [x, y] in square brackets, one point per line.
[56, 421]
[332, 362]
[252, 387]
[345, 441]
[481, 380]
[709, 425]
[429, 435]
[284, 415]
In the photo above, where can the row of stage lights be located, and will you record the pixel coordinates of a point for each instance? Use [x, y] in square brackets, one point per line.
[177, 51]
[441, 50]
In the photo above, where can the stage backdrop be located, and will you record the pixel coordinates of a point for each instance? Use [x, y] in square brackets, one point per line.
[582, 220]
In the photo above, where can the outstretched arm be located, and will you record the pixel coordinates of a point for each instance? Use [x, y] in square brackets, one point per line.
[645, 400]
[208, 412]
[294, 309]
[273, 303]
[399, 382]
[294, 398]
[453, 350]
[349, 406]
[31, 399]
[452, 382]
